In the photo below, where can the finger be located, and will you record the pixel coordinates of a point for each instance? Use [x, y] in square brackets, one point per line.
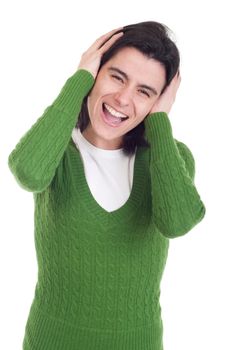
[176, 79]
[111, 32]
[177, 75]
[105, 46]
[98, 43]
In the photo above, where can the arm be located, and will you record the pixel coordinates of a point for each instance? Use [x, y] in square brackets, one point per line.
[177, 206]
[38, 153]
[35, 158]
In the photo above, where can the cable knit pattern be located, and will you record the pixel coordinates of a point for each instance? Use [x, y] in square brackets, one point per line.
[99, 272]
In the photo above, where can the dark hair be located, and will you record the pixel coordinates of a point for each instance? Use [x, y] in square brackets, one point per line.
[153, 40]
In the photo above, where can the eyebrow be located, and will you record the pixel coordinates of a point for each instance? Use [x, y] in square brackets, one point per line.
[115, 69]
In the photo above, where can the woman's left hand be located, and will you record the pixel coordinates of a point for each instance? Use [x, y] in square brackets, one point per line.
[165, 101]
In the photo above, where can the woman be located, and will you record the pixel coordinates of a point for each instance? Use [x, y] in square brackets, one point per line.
[111, 186]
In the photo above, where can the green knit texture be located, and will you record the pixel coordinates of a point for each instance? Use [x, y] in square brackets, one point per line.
[99, 272]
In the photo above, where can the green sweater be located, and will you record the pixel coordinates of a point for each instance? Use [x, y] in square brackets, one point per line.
[99, 272]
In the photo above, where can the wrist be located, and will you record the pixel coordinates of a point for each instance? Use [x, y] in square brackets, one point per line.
[161, 109]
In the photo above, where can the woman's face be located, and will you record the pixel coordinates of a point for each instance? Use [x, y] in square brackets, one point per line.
[127, 86]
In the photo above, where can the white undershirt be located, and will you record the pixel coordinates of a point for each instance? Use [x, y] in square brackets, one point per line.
[109, 173]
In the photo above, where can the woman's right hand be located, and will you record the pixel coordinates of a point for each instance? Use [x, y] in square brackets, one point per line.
[91, 58]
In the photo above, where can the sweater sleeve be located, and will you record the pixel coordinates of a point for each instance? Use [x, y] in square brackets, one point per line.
[36, 156]
[176, 204]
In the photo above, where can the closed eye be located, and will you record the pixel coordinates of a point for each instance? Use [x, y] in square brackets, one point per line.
[117, 77]
[144, 92]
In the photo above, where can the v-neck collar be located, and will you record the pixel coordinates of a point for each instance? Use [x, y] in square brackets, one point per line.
[92, 206]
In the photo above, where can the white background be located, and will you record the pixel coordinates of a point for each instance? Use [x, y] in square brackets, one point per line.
[41, 46]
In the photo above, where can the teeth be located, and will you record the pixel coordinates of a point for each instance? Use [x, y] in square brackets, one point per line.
[114, 112]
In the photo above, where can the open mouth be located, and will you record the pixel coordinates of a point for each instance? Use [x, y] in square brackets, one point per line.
[111, 116]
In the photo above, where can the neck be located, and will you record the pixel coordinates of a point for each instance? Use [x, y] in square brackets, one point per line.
[100, 142]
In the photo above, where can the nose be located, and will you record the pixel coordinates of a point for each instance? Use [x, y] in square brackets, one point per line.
[123, 97]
